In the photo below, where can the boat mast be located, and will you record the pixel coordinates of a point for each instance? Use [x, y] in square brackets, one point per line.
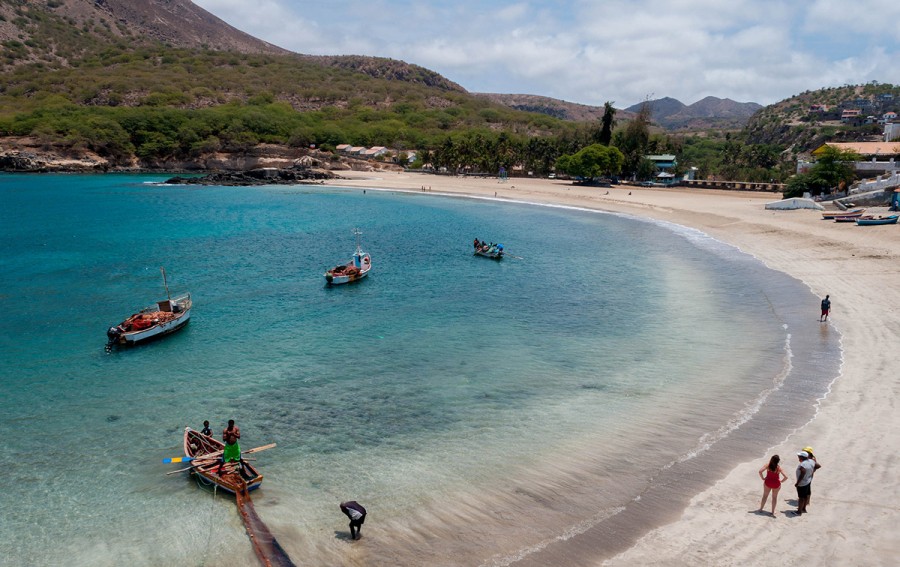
[165, 283]
[357, 232]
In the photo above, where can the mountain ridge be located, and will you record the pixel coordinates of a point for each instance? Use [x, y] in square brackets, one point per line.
[708, 112]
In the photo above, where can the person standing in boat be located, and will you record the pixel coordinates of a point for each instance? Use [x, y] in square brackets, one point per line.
[206, 430]
[232, 452]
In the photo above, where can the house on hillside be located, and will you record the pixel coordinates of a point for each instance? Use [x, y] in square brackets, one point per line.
[851, 115]
[342, 147]
[818, 108]
[892, 132]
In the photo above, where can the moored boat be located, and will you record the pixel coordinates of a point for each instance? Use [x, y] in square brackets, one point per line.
[206, 456]
[872, 220]
[356, 269]
[493, 251]
[833, 215]
[163, 317]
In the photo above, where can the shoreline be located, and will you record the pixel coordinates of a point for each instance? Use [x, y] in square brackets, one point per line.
[853, 423]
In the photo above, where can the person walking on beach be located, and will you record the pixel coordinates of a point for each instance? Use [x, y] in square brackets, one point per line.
[232, 451]
[826, 308]
[206, 430]
[357, 514]
[804, 479]
[772, 480]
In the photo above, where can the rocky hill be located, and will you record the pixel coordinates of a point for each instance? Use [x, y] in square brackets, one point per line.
[553, 107]
[710, 112]
[805, 121]
[56, 32]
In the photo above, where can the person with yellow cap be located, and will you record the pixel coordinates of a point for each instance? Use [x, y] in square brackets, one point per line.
[816, 466]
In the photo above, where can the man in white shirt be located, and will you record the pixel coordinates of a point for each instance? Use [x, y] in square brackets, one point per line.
[804, 478]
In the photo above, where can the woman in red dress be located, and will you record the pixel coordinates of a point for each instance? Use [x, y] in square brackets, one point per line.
[772, 480]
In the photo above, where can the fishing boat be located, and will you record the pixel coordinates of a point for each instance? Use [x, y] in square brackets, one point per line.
[206, 456]
[493, 251]
[832, 215]
[356, 269]
[872, 220]
[161, 318]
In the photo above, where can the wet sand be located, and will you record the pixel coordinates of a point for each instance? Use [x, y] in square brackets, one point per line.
[854, 508]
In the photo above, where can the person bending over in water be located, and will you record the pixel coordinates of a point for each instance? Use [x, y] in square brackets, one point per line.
[357, 514]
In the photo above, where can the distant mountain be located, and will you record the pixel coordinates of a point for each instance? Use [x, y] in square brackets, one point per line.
[711, 112]
[552, 107]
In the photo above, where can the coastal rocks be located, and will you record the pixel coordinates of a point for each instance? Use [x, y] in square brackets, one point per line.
[24, 161]
[261, 176]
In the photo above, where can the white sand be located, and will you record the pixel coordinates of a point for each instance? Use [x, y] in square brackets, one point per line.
[854, 518]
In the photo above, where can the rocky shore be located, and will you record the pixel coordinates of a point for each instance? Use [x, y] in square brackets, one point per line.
[264, 176]
[263, 164]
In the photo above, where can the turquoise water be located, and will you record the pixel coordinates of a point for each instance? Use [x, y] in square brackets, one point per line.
[561, 387]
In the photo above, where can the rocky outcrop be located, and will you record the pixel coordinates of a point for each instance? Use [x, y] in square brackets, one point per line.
[263, 176]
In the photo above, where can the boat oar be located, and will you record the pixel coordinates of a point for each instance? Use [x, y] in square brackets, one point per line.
[214, 455]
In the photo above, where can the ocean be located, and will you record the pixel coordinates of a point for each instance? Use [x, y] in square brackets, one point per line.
[486, 413]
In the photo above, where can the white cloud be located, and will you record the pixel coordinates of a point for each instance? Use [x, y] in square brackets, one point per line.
[590, 52]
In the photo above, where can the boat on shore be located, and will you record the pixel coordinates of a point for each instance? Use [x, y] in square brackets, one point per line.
[492, 251]
[206, 456]
[853, 213]
[163, 317]
[356, 269]
[873, 220]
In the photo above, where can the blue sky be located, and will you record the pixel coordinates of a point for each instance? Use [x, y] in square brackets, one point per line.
[603, 50]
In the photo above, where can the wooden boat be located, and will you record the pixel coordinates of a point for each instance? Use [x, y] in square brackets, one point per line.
[847, 218]
[492, 251]
[160, 319]
[832, 215]
[872, 220]
[356, 269]
[206, 455]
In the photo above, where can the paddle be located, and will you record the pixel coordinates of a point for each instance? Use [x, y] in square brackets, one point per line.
[214, 455]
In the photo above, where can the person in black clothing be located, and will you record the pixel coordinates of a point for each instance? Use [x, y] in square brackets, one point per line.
[357, 514]
[826, 308]
[206, 430]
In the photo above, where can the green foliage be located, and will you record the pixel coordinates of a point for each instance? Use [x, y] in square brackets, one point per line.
[833, 171]
[593, 161]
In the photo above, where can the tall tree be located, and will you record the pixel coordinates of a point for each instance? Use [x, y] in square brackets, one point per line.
[635, 139]
[608, 122]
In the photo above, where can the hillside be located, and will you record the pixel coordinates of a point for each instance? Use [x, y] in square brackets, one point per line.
[553, 107]
[805, 121]
[163, 79]
[708, 113]
[57, 32]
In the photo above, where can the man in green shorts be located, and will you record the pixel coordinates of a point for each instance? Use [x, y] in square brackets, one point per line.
[232, 452]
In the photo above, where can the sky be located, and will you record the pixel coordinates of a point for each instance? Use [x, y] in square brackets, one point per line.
[591, 52]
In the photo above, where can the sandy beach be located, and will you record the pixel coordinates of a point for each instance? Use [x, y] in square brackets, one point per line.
[854, 509]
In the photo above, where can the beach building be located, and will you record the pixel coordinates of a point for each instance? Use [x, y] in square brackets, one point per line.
[342, 147]
[374, 152]
[663, 162]
[877, 157]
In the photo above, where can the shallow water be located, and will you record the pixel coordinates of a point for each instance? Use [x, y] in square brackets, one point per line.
[483, 411]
